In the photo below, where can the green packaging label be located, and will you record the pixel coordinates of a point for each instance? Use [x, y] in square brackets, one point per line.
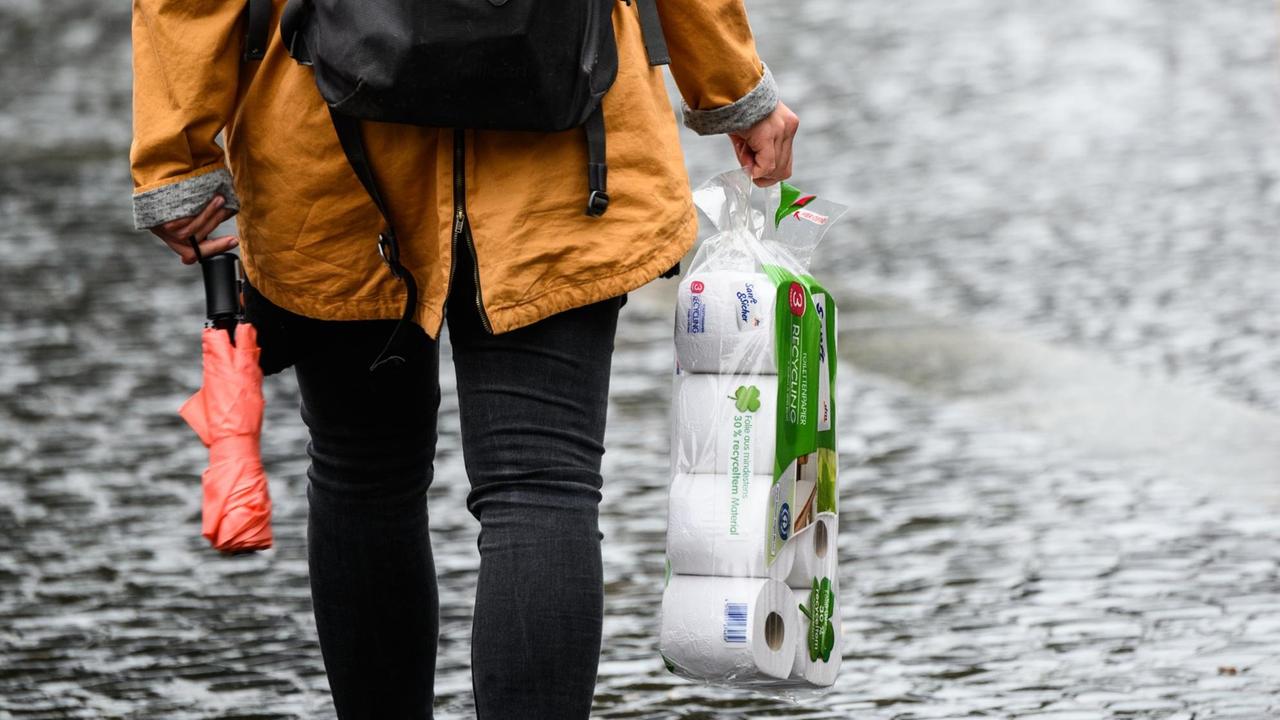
[826, 309]
[797, 341]
[821, 638]
[804, 470]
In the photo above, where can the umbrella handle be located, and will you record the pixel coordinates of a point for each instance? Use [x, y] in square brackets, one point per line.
[221, 289]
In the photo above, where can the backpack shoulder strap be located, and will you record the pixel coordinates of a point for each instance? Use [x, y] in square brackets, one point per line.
[258, 33]
[655, 43]
[352, 140]
[597, 169]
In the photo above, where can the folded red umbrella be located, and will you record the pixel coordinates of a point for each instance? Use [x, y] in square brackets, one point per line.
[227, 414]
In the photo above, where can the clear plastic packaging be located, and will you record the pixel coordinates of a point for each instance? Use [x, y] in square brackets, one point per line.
[752, 588]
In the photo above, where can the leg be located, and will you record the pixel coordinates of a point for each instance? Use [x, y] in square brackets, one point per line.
[532, 406]
[373, 581]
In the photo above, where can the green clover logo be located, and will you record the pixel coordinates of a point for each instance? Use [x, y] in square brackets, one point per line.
[747, 398]
[822, 632]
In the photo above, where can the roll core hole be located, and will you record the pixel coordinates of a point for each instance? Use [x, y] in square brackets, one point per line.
[774, 631]
[820, 540]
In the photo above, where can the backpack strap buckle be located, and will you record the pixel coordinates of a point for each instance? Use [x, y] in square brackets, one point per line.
[597, 203]
[389, 250]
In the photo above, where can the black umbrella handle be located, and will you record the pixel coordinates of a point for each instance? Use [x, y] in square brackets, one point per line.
[221, 289]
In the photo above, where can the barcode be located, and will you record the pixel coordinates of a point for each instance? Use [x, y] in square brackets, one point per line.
[735, 622]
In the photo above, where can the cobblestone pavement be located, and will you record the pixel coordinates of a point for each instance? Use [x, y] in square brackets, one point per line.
[1097, 174]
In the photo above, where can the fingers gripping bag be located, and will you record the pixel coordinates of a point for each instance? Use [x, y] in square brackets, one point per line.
[752, 591]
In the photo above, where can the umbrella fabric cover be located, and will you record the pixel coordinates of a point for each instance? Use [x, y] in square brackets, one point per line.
[227, 414]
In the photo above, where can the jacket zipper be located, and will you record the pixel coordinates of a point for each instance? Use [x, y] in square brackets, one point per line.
[460, 229]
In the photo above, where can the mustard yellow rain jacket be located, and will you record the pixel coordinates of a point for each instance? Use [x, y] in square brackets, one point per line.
[308, 229]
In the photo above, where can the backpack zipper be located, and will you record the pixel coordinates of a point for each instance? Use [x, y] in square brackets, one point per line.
[460, 228]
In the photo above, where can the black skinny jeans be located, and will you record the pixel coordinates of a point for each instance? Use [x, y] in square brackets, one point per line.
[532, 405]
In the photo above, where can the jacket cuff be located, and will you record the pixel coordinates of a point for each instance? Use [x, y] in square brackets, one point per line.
[183, 198]
[738, 115]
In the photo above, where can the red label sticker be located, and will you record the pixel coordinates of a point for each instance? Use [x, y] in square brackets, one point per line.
[813, 217]
[795, 299]
[696, 286]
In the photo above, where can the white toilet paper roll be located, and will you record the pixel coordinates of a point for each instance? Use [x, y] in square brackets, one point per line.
[725, 323]
[813, 551]
[725, 424]
[719, 628]
[718, 525]
[817, 671]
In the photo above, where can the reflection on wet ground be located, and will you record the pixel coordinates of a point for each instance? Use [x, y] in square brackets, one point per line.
[1096, 174]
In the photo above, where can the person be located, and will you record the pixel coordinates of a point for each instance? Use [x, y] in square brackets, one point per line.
[491, 225]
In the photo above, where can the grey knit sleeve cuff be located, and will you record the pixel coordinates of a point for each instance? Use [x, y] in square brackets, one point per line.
[738, 115]
[183, 198]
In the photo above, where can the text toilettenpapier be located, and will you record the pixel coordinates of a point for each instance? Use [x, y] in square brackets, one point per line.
[724, 323]
[729, 628]
[718, 525]
[725, 424]
[813, 552]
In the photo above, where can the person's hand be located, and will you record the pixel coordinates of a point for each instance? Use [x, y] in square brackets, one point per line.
[765, 147]
[177, 233]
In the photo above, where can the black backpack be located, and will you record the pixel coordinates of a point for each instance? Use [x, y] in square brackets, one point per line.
[532, 65]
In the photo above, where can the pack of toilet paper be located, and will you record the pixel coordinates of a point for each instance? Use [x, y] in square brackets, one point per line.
[752, 594]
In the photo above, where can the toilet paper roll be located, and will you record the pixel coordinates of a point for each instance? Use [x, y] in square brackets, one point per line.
[725, 323]
[812, 667]
[718, 525]
[725, 424]
[813, 552]
[719, 628]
